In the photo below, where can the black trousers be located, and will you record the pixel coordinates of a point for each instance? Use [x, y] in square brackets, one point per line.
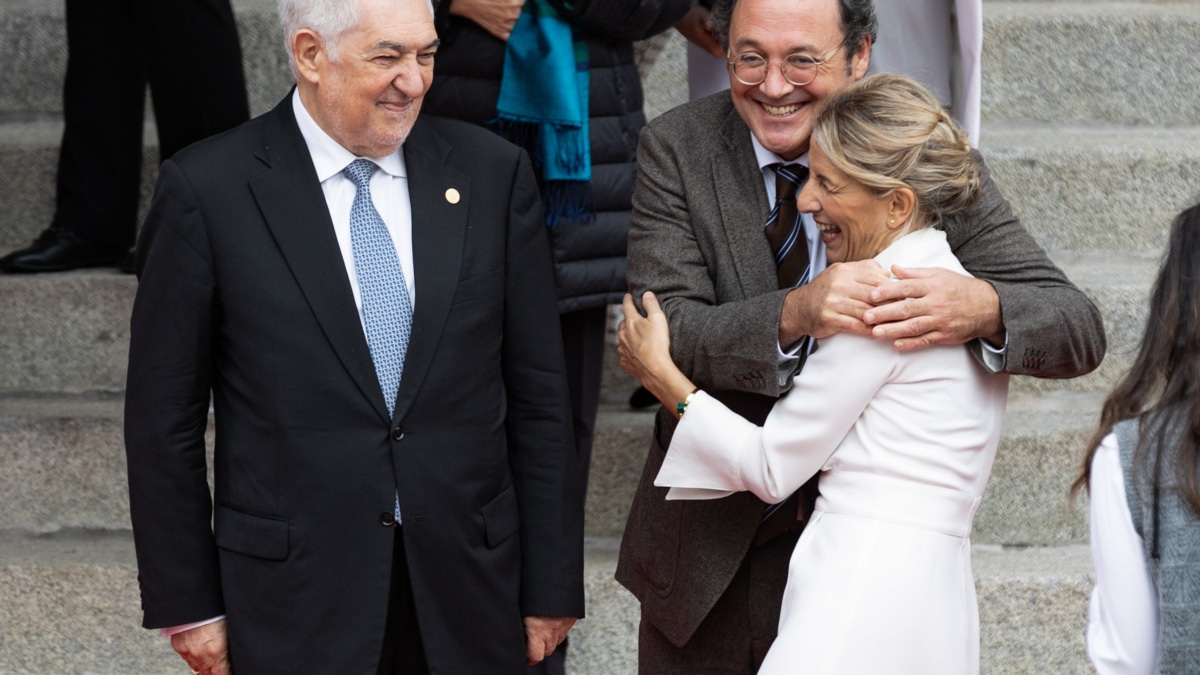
[403, 653]
[583, 344]
[187, 51]
[583, 347]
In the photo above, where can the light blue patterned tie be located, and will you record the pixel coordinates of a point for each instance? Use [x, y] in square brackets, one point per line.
[387, 309]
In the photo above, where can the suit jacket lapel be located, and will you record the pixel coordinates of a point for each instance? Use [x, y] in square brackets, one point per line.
[744, 207]
[439, 225]
[294, 207]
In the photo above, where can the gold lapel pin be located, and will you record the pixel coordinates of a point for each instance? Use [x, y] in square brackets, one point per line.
[452, 196]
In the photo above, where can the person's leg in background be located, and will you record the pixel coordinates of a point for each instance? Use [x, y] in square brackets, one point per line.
[100, 160]
[194, 65]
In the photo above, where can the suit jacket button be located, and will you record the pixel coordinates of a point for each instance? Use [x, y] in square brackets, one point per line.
[387, 519]
[397, 434]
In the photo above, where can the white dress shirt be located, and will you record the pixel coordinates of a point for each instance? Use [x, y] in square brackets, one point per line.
[1122, 633]
[389, 193]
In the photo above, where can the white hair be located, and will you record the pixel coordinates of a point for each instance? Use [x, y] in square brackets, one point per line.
[328, 18]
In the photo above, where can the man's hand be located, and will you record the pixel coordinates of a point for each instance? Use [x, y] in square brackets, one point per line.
[931, 306]
[698, 30]
[832, 303]
[205, 649]
[495, 16]
[543, 634]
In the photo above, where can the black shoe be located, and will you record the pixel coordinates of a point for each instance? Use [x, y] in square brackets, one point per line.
[642, 399]
[59, 249]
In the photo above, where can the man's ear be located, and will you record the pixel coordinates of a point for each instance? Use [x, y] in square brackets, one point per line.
[860, 60]
[309, 52]
[901, 204]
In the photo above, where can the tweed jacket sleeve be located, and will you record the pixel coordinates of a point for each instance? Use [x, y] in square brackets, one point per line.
[1054, 330]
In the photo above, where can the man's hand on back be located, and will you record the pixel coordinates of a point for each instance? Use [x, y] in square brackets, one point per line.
[930, 306]
[832, 303]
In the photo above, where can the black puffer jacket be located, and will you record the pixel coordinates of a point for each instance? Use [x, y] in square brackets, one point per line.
[589, 256]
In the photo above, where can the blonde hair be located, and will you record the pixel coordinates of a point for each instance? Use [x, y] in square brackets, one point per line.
[887, 131]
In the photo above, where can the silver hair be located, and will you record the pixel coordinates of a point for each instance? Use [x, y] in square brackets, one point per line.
[328, 18]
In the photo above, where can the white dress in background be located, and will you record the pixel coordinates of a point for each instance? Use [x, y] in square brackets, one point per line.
[1122, 632]
[880, 581]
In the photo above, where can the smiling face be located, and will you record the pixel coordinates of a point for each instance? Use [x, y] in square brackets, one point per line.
[780, 114]
[854, 221]
[368, 99]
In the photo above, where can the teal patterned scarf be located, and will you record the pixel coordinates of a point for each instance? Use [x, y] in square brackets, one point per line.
[543, 107]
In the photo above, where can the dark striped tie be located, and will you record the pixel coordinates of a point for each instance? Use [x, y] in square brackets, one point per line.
[785, 230]
[785, 233]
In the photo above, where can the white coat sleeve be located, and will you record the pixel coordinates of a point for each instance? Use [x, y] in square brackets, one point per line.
[716, 452]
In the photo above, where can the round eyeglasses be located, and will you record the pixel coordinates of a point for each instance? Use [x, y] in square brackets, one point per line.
[798, 69]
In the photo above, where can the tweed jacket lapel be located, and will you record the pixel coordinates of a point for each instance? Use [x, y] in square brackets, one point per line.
[743, 204]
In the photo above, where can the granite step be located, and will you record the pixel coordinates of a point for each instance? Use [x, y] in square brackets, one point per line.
[65, 332]
[1110, 60]
[1076, 188]
[69, 332]
[1114, 62]
[1095, 189]
[65, 467]
[69, 604]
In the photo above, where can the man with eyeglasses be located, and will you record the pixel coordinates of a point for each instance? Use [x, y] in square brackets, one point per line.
[710, 574]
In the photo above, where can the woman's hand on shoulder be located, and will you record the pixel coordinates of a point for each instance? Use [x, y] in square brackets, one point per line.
[644, 345]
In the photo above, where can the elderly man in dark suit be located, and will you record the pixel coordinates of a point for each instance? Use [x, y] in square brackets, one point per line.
[710, 574]
[367, 297]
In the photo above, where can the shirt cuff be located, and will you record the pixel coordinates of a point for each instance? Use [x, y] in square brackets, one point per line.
[993, 357]
[176, 630]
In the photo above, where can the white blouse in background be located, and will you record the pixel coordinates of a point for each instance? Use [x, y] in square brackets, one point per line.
[1122, 633]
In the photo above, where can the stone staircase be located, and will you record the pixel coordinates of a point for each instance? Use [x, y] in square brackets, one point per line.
[1091, 126]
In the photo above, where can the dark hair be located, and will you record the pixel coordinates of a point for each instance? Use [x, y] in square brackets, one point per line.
[858, 23]
[1162, 388]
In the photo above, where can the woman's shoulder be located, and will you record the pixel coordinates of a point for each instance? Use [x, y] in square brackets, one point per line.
[926, 247]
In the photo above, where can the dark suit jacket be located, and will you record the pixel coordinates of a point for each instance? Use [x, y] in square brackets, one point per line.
[243, 293]
[696, 240]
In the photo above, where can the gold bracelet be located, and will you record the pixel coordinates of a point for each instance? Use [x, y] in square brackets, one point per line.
[680, 408]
